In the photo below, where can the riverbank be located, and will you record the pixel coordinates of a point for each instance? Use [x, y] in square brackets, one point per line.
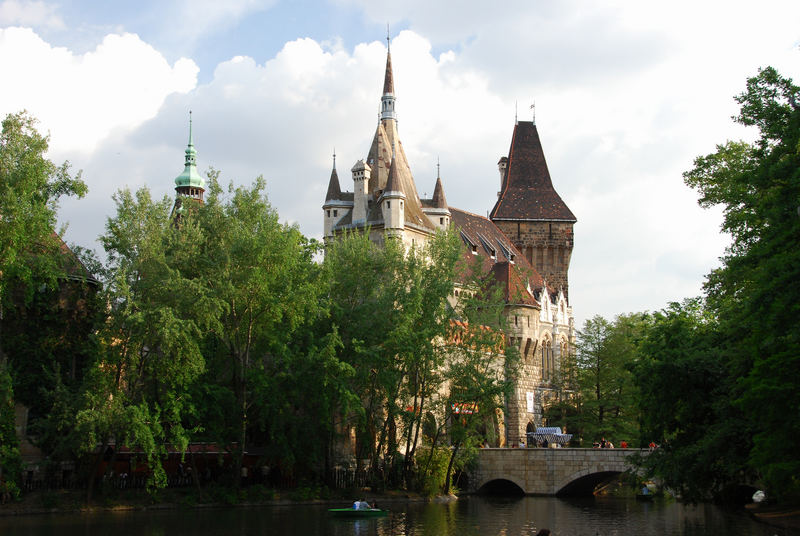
[65, 501]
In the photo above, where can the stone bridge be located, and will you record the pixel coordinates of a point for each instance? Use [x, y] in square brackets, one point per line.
[548, 471]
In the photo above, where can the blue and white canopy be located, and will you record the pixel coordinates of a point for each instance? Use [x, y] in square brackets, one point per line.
[551, 434]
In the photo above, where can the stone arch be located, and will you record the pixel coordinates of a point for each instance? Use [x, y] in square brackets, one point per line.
[609, 467]
[486, 482]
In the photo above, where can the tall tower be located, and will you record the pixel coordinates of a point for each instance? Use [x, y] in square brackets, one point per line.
[530, 212]
[189, 184]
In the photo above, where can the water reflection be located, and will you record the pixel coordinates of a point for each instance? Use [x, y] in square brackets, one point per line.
[466, 517]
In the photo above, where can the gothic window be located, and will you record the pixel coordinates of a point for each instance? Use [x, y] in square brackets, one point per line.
[547, 360]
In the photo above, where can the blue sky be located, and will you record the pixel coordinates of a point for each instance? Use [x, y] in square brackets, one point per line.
[627, 94]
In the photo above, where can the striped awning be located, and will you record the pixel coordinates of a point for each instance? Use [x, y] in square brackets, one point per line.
[551, 434]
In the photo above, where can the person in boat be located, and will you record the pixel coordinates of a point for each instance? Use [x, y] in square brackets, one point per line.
[645, 490]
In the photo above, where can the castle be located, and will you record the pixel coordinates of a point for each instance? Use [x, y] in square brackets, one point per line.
[526, 243]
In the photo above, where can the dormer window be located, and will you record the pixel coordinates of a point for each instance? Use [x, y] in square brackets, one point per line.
[474, 250]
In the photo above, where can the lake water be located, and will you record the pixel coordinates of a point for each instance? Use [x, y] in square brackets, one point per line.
[465, 517]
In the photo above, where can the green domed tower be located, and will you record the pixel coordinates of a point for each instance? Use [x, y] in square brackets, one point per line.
[189, 184]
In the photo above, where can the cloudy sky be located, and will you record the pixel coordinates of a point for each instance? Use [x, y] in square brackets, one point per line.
[626, 96]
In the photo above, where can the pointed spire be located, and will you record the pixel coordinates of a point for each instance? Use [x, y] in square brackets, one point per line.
[388, 77]
[190, 177]
[439, 200]
[334, 190]
[387, 99]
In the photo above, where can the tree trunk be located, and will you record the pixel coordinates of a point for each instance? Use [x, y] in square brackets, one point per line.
[450, 468]
[93, 474]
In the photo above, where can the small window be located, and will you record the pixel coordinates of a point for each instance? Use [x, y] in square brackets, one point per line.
[335, 213]
[441, 221]
[329, 213]
[388, 204]
[474, 250]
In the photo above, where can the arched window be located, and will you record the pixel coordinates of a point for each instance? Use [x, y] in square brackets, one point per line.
[547, 359]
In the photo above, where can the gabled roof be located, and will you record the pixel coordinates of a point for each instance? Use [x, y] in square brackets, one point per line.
[528, 192]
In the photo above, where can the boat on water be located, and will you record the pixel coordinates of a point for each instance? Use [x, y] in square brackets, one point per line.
[361, 512]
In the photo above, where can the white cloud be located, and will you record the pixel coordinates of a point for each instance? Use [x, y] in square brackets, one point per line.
[81, 99]
[26, 13]
[627, 95]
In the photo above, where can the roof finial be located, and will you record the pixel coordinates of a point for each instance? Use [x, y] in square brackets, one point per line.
[533, 107]
[516, 120]
[334, 158]
[190, 128]
[437, 168]
[388, 44]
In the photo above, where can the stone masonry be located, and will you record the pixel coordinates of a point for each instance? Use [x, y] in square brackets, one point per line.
[546, 471]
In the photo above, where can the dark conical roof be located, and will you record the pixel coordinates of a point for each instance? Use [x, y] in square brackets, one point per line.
[393, 183]
[439, 200]
[528, 192]
[334, 190]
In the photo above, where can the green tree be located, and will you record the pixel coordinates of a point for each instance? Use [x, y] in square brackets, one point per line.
[30, 187]
[480, 368]
[606, 398]
[261, 275]
[687, 395]
[137, 394]
[755, 293]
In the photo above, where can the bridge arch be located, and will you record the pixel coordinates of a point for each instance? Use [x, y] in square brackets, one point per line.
[507, 482]
[501, 486]
[584, 482]
[550, 471]
[595, 472]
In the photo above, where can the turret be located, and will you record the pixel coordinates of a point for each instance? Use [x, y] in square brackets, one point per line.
[332, 209]
[189, 183]
[361, 173]
[439, 214]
